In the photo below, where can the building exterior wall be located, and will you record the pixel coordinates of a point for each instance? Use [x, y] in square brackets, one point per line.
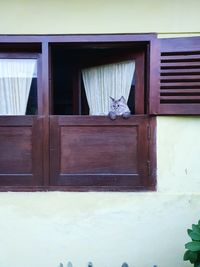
[43, 228]
[92, 16]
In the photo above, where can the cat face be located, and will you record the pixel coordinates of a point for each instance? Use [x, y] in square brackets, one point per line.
[119, 106]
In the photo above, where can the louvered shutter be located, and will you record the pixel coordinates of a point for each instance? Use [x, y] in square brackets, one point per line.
[179, 76]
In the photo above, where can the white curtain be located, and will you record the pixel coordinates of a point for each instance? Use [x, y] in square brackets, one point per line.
[107, 80]
[15, 82]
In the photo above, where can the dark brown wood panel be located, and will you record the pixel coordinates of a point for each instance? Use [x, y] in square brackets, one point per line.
[21, 151]
[75, 38]
[16, 147]
[152, 77]
[46, 105]
[140, 107]
[95, 151]
[99, 150]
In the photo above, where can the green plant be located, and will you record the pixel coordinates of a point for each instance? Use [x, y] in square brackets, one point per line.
[193, 248]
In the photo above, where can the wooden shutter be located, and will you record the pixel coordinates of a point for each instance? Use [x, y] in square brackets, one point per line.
[179, 76]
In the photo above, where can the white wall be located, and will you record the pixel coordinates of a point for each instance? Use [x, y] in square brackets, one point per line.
[41, 229]
[178, 154]
[99, 16]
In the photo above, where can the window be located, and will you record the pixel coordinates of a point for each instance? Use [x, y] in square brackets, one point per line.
[64, 139]
[18, 84]
[90, 150]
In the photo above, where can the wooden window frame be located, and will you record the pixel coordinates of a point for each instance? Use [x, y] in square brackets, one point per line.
[43, 43]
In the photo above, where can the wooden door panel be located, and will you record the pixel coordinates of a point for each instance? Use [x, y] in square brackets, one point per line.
[97, 152]
[102, 150]
[16, 149]
[21, 151]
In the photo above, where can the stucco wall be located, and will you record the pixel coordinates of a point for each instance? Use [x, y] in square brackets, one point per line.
[99, 16]
[42, 229]
[178, 154]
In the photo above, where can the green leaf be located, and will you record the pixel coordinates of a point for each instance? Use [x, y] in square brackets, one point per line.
[197, 264]
[196, 228]
[189, 231]
[191, 256]
[186, 256]
[194, 236]
[193, 246]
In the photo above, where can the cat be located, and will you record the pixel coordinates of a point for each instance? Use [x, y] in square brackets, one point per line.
[119, 108]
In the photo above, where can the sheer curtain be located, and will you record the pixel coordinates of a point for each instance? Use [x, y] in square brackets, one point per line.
[107, 80]
[15, 82]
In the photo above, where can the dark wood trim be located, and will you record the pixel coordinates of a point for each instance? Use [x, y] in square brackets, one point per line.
[16, 120]
[54, 152]
[39, 86]
[46, 109]
[77, 188]
[51, 80]
[152, 152]
[139, 83]
[153, 77]
[84, 38]
[102, 38]
[96, 120]
[85, 180]
[180, 45]
[45, 77]
[181, 109]
[37, 145]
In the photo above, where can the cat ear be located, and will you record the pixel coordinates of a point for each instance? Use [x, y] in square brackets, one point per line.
[122, 99]
[112, 98]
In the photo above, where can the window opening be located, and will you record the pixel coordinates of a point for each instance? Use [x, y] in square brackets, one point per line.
[16, 77]
[83, 80]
